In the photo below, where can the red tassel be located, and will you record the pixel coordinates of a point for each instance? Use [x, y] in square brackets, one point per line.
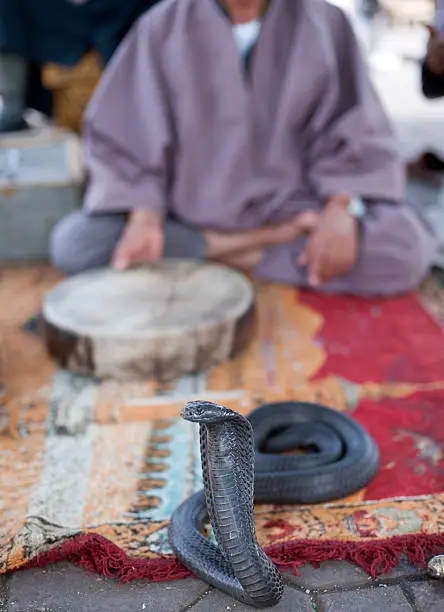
[98, 555]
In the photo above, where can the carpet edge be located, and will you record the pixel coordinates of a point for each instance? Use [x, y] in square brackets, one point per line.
[98, 555]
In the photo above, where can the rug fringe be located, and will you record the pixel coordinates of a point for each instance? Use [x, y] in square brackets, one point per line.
[96, 554]
[375, 557]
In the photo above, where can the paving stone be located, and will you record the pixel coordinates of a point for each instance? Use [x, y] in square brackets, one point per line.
[383, 599]
[340, 574]
[215, 601]
[403, 570]
[65, 588]
[429, 596]
[3, 593]
[329, 575]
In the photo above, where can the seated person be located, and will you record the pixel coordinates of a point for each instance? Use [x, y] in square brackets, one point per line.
[246, 132]
[429, 167]
[433, 66]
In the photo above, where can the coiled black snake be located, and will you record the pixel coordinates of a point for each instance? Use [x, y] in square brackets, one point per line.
[239, 468]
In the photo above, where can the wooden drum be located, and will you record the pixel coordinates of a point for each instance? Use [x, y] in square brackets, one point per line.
[163, 321]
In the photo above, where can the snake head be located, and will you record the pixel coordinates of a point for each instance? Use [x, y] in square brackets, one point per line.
[206, 412]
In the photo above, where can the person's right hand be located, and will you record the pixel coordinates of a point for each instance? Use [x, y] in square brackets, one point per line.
[142, 241]
[435, 51]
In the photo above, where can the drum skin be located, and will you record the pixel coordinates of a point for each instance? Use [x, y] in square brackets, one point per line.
[162, 321]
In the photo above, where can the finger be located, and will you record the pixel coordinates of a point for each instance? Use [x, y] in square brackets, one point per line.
[313, 272]
[139, 257]
[156, 250]
[122, 257]
[329, 265]
[324, 275]
[120, 261]
[128, 256]
[302, 260]
[312, 221]
[313, 278]
[322, 269]
[307, 221]
[120, 264]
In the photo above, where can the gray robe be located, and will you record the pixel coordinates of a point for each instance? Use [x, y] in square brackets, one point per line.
[178, 126]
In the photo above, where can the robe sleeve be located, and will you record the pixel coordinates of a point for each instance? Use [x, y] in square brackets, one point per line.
[352, 148]
[127, 131]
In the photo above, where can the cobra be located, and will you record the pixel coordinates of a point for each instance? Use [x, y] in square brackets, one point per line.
[240, 466]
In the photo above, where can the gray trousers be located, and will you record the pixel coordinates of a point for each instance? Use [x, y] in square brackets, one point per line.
[397, 250]
[82, 241]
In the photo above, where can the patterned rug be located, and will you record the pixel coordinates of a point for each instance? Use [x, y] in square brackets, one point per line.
[92, 471]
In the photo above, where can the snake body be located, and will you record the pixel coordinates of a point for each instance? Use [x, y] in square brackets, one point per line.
[240, 467]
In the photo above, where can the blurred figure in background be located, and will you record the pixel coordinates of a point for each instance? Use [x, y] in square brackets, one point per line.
[429, 167]
[433, 66]
[246, 132]
[59, 32]
[367, 8]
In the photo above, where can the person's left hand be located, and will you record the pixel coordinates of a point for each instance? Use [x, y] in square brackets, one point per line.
[332, 249]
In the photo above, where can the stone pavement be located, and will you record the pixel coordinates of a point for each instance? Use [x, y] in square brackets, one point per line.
[335, 587]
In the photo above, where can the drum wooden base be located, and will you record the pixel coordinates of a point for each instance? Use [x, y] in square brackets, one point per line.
[162, 322]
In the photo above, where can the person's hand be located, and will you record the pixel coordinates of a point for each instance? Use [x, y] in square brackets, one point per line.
[287, 231]
[332, 249]
[435, 51]
[304, 222]
[142, 240]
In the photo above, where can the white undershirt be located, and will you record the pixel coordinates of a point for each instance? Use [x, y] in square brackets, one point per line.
[246, 35]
